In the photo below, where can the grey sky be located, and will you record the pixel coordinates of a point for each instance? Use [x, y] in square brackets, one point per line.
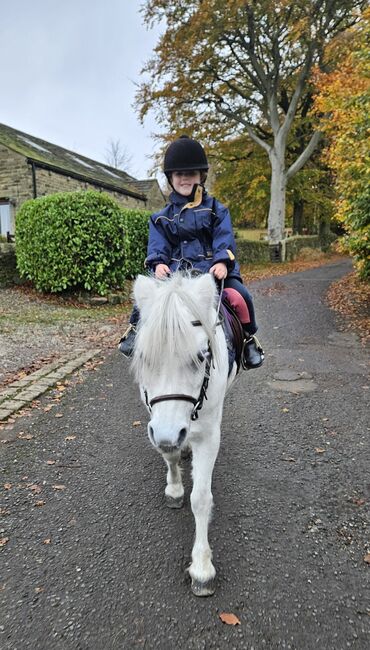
[68, 72]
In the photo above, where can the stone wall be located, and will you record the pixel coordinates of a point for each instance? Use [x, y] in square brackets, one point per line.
[16, 183]
[50, 182]
[15, 177]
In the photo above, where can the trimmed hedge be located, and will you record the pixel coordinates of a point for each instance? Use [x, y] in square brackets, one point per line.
[251, 252]
[79, 240]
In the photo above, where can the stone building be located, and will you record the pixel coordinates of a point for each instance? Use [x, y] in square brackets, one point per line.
[30, 167]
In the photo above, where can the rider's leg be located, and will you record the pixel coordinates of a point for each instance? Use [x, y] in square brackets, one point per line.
[253, 352]
[127, 342]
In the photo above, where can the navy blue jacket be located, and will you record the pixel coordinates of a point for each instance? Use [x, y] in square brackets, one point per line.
[198, 231]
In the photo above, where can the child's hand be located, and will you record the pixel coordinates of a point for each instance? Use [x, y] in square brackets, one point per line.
[219, 270]
[161, 271]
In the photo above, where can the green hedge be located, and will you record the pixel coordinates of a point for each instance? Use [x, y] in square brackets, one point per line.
[79, 240]
[250, 252]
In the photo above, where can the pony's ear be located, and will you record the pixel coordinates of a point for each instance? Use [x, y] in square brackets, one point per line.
[143, 290]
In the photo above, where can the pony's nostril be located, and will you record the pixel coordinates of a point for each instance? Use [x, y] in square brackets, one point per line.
[182, 436]
[151, 433]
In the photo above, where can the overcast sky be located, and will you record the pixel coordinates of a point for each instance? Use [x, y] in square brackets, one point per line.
[68, 72]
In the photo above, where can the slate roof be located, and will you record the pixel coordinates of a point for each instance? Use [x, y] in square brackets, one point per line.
[51, 156]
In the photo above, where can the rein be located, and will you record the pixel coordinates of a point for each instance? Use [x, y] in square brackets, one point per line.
[197, 402]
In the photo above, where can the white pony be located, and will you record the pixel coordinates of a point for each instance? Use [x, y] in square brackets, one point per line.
[181, 365]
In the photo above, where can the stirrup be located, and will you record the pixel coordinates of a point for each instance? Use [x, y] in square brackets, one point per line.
[129, 333]
[259, 348]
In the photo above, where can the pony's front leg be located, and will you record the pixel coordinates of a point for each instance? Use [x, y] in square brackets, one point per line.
[201, 570]
[174, 491]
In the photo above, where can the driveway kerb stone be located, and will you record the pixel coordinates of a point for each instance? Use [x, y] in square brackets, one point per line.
[23, 391]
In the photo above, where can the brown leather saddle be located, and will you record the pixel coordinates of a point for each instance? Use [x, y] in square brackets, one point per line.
[233, 332]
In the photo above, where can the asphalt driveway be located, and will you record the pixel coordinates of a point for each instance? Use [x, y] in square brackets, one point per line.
[93, 560]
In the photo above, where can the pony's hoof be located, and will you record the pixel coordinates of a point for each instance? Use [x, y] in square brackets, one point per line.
[174, 503]
[203, 588]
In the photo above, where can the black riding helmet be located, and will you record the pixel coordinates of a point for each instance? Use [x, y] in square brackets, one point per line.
[184, 154]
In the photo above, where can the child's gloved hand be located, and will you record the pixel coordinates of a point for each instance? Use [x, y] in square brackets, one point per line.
[219, 270]
[162, 271]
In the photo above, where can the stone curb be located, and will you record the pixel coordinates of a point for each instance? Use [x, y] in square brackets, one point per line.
[22, 392]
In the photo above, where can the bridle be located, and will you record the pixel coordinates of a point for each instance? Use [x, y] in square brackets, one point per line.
[197, 402]
[208, 357]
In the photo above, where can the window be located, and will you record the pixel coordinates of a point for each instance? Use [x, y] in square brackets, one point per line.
[6, 218]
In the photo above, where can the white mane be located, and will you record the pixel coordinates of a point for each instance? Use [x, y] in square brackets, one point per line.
[167, 309]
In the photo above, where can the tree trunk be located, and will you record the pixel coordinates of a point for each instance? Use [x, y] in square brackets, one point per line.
[298, 217]
[276, 218]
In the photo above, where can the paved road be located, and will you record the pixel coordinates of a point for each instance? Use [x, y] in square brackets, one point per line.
[291, 487]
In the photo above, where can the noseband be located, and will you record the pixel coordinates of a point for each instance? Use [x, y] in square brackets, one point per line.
[197, 403]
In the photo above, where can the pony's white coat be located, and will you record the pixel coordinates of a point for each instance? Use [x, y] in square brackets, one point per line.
[166, 361]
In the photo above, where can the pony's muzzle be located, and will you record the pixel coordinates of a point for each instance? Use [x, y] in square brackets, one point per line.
[164, 442]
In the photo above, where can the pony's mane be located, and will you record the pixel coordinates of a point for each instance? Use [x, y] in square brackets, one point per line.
[166, 332]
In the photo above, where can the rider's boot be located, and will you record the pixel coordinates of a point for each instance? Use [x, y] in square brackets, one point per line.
[253, 354]
[127, 342]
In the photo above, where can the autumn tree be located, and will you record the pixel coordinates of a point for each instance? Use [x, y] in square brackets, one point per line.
[224, 68]
[242, 181]
[343, 101]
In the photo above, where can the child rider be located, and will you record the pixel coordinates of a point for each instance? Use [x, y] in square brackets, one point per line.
[194, 231]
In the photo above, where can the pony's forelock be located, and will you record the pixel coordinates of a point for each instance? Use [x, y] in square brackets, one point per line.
[166, 331]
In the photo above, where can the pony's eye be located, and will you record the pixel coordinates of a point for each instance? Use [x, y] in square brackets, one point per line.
[201, 356]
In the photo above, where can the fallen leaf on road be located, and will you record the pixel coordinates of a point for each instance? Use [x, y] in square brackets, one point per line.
[51, 462]
[25, 436]
[70, 438]
[58, 487]
[4, 512]
[38, 590]
[38, 504]
[229, 619]
[7, 486]
[358, 502]
[47, 541]
[289, 459]
[136, 423]
[3, 541]
[60, 387]
[285, 410]
[34, 487]
[320, 450]
[367, 558]
[48, 407]
[58, 415]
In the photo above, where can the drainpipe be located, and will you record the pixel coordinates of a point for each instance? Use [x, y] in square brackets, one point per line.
[34, 180]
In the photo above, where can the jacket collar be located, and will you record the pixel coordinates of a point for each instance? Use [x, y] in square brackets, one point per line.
[194, 199]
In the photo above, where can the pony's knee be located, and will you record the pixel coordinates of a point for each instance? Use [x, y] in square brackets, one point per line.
[201, 502]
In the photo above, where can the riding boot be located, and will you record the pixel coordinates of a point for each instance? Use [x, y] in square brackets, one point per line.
[253, 354]
[127, 342]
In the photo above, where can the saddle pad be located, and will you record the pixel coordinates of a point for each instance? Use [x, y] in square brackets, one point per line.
[233, 333]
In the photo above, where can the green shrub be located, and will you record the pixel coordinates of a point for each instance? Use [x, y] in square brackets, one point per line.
[250, 252]
[136, 227]
[78, 240]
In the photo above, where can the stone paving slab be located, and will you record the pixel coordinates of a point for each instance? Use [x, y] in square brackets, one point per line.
[23, 391]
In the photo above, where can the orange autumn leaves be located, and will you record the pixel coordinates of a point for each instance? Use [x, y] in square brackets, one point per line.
[343, 103]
